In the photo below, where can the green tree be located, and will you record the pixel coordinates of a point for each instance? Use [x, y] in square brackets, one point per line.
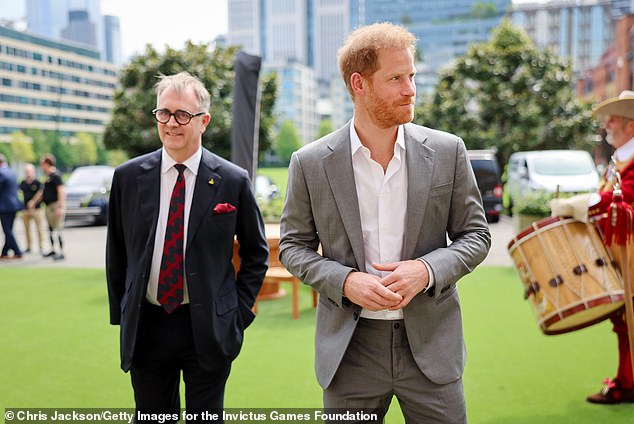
[5, 149]
[268, 95]
[507, 94]
[65, 155]
[40, 143]
[116, 157]
[102, 153]
[287, 141]
[22, 148]
[86, 149]
[325, 127]
[132, 127]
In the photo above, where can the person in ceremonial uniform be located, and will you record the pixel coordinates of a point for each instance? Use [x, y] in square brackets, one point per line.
[617, 117]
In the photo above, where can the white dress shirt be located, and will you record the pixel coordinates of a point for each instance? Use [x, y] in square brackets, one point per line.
[625, 152]
[169, 174]
[382, 205]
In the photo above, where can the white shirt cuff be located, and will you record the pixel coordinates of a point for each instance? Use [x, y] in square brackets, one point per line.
[431, 276]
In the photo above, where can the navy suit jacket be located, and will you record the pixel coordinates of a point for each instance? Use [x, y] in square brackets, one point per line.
[220, 300]
[8, 191]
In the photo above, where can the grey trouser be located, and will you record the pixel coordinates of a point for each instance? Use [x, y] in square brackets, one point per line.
[378, 365]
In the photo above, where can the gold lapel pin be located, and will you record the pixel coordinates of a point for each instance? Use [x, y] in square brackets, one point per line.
[212, 182]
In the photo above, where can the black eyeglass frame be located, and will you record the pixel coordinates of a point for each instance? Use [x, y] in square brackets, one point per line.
[189, 114]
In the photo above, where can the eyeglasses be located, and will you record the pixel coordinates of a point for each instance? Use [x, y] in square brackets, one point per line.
[182, 117]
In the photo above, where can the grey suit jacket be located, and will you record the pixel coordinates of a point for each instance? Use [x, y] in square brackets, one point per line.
[443, 202]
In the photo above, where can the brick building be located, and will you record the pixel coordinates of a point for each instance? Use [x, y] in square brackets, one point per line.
[615, 71]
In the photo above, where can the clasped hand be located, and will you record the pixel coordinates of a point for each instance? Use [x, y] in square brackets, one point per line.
[394, 291]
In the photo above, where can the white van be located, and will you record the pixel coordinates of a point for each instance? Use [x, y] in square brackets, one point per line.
[570, 171]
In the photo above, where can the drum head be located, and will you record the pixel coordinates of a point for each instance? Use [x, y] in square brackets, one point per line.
[583, 315]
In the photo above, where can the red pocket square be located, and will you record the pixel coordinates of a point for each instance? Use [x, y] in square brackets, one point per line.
[221, 208]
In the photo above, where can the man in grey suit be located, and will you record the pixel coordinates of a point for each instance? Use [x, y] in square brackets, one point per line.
[381, 196]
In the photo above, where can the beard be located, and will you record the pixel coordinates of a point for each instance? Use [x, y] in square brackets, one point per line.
[388, 115]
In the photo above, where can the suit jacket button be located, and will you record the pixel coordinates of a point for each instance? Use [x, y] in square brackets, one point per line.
[355, 316]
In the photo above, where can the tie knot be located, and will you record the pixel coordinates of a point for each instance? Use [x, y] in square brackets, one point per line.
[180, 168]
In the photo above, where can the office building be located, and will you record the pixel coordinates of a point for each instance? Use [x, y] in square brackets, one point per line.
[621, 8]
[576, 30]
[80, 29]
[333, 21]
[310, 32]
[297, 96]
[112, 40]
[615, 70]
[246, 25]
[46, 17]
[277, 31]
[444, 29]
[305, 31]
[78, 21]
[51, 85]
[286, 31]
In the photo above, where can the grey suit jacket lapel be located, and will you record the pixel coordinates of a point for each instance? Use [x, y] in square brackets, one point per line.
[420, 169]
[338, 167]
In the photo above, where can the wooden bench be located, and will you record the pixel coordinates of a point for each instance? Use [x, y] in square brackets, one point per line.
[275, 275]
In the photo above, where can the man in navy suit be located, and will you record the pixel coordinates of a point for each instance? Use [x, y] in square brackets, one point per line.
[178, 300]
[9, 206]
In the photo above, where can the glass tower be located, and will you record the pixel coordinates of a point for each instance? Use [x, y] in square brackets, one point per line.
[444, 29]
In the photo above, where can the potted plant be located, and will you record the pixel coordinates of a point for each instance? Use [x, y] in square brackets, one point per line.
[530, 208]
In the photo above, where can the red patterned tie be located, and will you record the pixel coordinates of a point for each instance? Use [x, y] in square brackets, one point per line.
[170, 282]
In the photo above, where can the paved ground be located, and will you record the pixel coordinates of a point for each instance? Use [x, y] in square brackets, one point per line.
[85, 246]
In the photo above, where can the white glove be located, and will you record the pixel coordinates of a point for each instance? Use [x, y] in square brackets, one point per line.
[575, 206]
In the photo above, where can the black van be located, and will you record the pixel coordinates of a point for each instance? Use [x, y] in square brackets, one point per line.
[487, 172]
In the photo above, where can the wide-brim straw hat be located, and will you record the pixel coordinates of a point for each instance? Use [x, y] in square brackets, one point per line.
[619, 106]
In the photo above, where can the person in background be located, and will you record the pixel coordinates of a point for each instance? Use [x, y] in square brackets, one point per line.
[172, 287]
[29, 187]
[617, 117]
[54, 198]
[9, 206]
[381, 196]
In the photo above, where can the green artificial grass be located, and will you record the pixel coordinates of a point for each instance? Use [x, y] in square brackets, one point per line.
[58, 350]
[279, 177]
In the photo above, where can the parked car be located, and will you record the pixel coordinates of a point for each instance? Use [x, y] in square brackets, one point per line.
[87, 193]
[549, 171]
[487, 172]
[265, 188]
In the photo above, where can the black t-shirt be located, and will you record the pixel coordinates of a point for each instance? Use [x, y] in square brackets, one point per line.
[50, 188]
[29, 190]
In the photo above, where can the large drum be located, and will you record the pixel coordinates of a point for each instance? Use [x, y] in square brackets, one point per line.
[569, 276]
